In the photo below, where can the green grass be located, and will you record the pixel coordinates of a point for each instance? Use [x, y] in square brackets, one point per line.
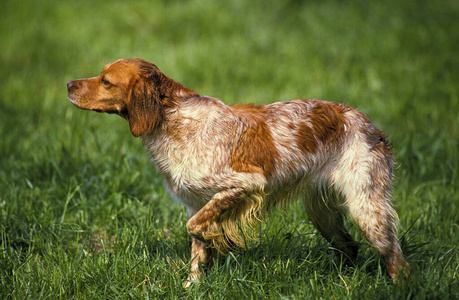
[83, 213]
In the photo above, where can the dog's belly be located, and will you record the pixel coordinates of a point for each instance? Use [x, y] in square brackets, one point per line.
[194, 194]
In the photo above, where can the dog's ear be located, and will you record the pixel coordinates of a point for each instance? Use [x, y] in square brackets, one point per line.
[145, 109]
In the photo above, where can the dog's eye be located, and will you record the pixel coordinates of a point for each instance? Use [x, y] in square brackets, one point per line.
[105, 82]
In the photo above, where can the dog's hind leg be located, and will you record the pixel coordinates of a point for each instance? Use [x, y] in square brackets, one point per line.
[363, 175]
[322, 207]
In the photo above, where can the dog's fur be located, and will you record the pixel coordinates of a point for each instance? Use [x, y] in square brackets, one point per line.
[230, 164]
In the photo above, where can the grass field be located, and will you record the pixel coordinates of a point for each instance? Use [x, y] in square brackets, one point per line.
[83, 213]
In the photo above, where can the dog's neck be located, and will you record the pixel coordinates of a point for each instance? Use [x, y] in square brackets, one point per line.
[171, 91]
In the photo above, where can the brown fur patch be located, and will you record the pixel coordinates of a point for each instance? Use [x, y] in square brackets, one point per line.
[146, 110]
[305, 138]
[327, 122]
[254, 152]
[324, 124]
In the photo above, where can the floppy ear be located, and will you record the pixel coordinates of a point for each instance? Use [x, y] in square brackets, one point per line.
[145, 109]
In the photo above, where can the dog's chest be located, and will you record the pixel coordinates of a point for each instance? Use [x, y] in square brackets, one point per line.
[189, 164]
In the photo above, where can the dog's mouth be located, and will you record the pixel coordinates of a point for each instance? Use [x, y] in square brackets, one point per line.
[108, 111]
[75, 102]
[82, 105]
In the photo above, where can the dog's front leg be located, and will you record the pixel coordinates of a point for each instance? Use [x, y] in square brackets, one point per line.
[205, 225]
[205, 228]
[199, 256]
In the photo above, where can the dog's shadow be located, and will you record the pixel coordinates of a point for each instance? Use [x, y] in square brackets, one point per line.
[276, 250]
[292, 252]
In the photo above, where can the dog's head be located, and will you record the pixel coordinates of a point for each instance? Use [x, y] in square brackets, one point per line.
[131, 88]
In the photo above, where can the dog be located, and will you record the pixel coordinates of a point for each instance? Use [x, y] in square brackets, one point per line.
[229, 165]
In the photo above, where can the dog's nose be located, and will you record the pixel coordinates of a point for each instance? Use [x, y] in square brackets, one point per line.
[70, 85]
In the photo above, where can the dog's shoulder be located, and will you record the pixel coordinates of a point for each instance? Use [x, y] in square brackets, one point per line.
[201, 108]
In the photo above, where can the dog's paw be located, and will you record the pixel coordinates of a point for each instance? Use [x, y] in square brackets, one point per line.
[190, 281]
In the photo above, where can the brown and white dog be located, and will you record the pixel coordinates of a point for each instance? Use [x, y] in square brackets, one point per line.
[230, 164]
